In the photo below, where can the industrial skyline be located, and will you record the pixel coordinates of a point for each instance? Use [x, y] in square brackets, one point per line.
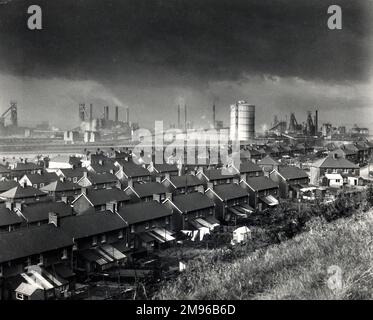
[187, 52]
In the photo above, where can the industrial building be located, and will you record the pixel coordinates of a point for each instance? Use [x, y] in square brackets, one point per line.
[242, 118]
[92, 129]
[308, 128]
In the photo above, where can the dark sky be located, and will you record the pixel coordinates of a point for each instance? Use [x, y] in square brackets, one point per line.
[151, 54]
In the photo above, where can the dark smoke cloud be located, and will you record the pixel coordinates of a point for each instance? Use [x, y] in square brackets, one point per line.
[154, 42]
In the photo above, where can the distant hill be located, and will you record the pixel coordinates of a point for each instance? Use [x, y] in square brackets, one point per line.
[294, 269]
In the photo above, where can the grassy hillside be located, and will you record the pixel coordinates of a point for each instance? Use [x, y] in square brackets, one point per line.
[293, 269]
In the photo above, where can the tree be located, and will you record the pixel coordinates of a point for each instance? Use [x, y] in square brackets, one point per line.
[370, 195]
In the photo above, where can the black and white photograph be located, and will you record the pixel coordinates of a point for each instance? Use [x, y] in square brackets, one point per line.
[186, 150]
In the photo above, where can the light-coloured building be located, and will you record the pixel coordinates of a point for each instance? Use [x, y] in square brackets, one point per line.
[242, 121]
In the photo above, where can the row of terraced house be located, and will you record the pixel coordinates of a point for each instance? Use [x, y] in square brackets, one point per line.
[73, 215]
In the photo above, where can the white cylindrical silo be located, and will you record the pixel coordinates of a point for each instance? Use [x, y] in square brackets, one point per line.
[242, 121]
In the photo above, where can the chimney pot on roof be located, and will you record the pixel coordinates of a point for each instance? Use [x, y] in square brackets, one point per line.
[201, 189]
[53, 218]
[130, 182]
[9, 205]
[19, 206]
[169, 195]
[157, 197]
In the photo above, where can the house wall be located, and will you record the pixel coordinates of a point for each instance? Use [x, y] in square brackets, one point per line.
[181, 221]
[50, 258]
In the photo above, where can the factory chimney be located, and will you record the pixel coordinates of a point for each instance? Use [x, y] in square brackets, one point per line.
[81, 111]
[316, 122]
[178, 116]
[106, 113]
[116, 114]
[90, 112]
[213, 116]
[128, 115]
[185, 120]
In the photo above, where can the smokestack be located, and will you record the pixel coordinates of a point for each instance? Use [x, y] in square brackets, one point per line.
[90, 112]
[128, 115]
[185, 120]
[81, 111]
[106, 113]
[316, 121]
[116, 114]
[213, 115]
[178, 116]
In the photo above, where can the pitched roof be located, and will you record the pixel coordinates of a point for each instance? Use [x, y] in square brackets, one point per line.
[249, 166]
[267, 160]
[59, 186]
[91, 224]
[4, 169]
[230, 191]
[292, 172]
[144, 211]
[334, 163]
[192, 201]
[71, 173]
[100, 178]
[165, 167]
[346, 151]
[8, 217]
[39, 211]
[29, 166]
[149, 188]
[25, 242]
[46, 177]
[102, 168]
[261, 183]
[132, 170]
[99, 197]
[220, 174]
[6, 185]
[189, 180]
[20, 192]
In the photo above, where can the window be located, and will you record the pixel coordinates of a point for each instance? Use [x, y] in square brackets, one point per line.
[64, 254]
[103, 238]
[41, 259]
[337, 180]
[120, 235]
[94, 241]
[19, 296]
[334, 171]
